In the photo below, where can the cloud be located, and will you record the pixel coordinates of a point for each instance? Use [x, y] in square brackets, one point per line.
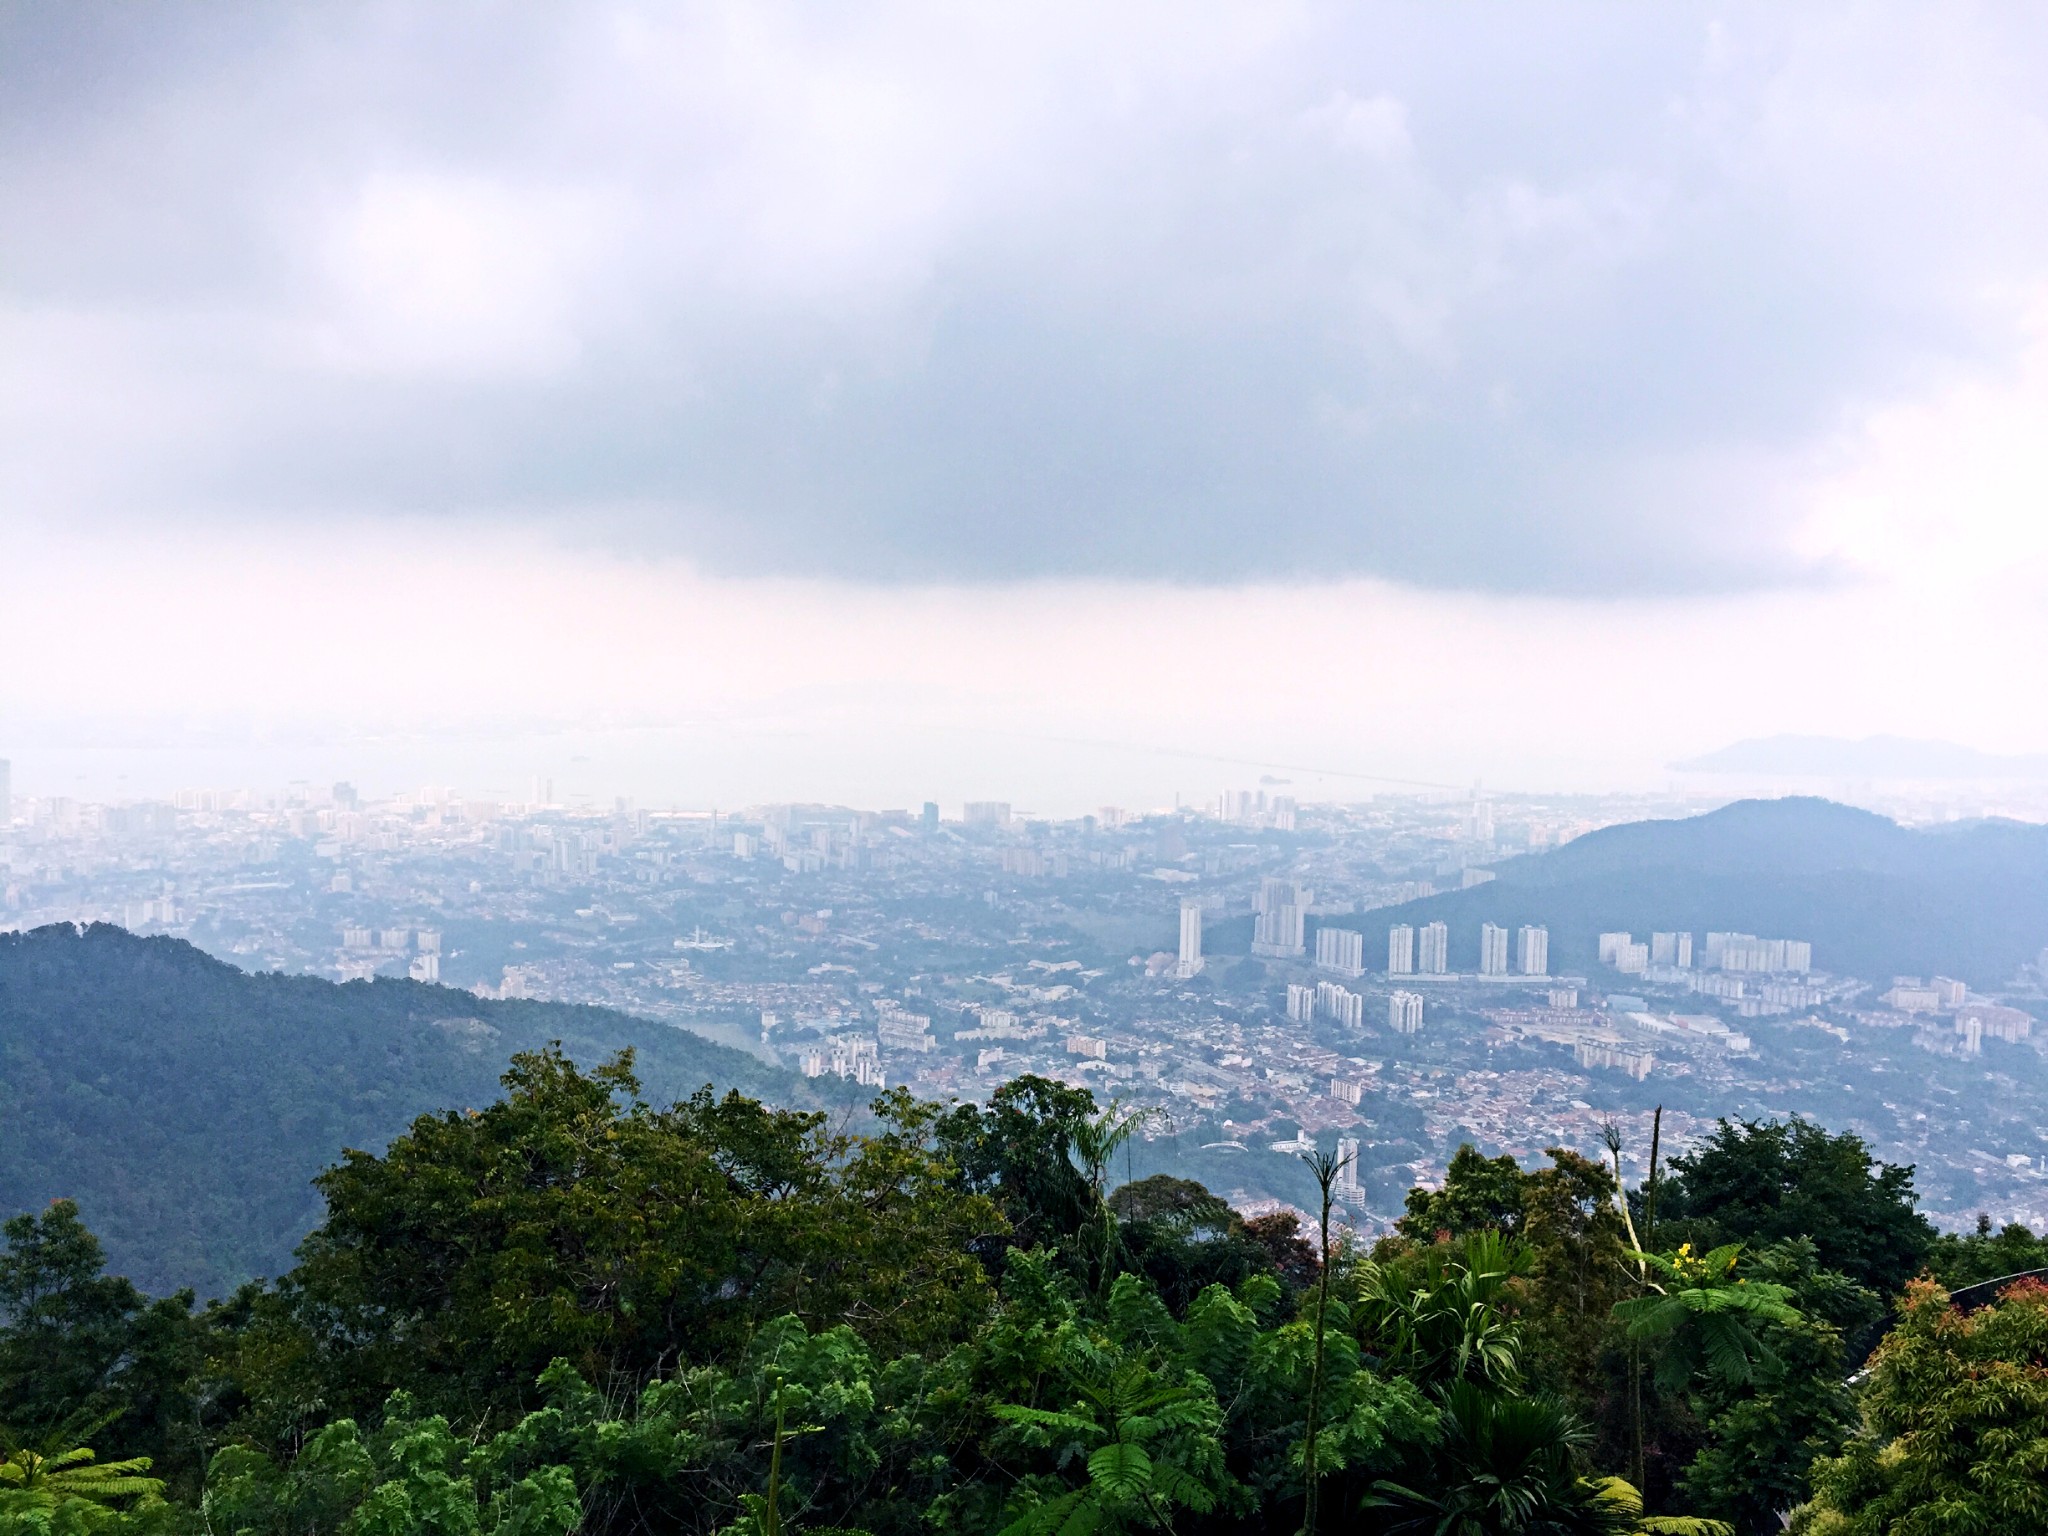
[464, 654]
[1575, 301]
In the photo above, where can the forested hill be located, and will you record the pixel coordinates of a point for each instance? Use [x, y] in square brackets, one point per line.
[185, 1104]
[1967, 900]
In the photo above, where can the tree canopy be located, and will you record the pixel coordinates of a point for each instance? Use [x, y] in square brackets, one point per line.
[1760, 1181]
[572, 1309]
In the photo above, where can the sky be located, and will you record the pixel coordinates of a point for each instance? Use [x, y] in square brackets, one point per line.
[1060, 403]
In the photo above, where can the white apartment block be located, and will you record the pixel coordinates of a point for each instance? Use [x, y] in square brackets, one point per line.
[1435, 946]
[1190, 938]
[1673, 949]
[1747, 952]
[1597, 1053]
[1339, 1004]
[1341, 950]
[1493, 950]
[1400, 950]
[1280, 925]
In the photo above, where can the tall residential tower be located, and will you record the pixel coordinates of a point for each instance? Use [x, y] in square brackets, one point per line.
[1190, 938]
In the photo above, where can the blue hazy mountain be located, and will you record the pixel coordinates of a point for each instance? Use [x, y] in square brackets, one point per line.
[1874, 757]
[1967, 899]
[186, 1104]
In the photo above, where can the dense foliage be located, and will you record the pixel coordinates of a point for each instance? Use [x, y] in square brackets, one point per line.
[187, 1105]
[1955, 1433]
[572, 1309]
[1790, 1178]
[1972, 1258]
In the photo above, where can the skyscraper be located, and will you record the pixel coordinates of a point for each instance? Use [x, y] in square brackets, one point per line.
[1190, 938]
[1401, 950]
[931, 816]
[1347, 1165]
[1436, 950]
[1404, 1012]
[1282, 918]
[6, 793]
[1533, 951]
[1341, 950]
[1493, 950]
[1339, 1004]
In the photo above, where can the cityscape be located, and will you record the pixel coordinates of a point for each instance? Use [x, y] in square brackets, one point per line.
[1221, 964]
[904, 770]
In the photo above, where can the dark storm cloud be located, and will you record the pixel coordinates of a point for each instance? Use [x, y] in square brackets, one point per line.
[1560, 299]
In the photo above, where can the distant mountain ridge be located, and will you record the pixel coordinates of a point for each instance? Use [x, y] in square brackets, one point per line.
[1969, 899]
[1874, 757]
[186, 1104]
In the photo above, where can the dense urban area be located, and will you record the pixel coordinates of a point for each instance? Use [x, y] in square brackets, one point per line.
[1221, 963]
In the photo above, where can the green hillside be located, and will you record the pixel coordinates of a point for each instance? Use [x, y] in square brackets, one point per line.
[1968, 900]
[185, 1104]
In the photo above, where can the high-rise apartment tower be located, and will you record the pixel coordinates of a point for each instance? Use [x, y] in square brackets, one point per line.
[1435, 956]
[1493, 950]
[1401, 950]
[1190, 938]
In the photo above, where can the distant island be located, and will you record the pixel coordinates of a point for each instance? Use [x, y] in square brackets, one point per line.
[1874, 757]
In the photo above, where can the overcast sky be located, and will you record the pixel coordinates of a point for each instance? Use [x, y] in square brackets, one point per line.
[879, 401]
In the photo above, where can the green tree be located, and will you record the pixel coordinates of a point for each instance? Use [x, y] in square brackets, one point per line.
[1577, 1247]
[1758, 1181]
[810, 1427]
[1290, 1255]
[1014, 1151]
[1149, 1446]
[1700, 1318]
[1955, 1424]
[1763, 1436]
[413, 1477]
[1960, 1259]
[86, 1353]
[1507, 1464]
[1095, 1143]
[73, 1493]
[1184, 1239]
[1478, 1194]
[1438, 1315]
[1573, 1242]
[1248, 1367]
[78, 1474]
[571, 1219]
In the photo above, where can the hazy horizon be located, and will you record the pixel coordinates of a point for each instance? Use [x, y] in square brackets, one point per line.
[1034, 404]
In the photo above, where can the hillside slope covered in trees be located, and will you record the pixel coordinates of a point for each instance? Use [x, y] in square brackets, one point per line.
[1967, 900]
[186, 1105]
